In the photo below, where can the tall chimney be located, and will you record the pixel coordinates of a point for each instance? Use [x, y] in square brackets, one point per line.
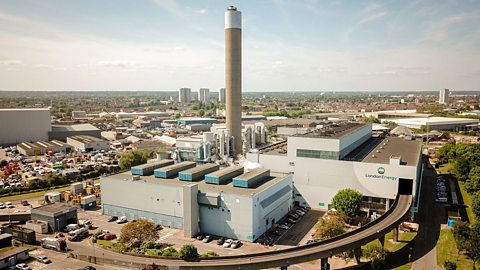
[233, 74]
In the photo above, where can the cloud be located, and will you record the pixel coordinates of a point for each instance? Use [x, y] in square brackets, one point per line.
[11, 62]
[117, 63]
[201, 11]
[438, 29]
[372, 17]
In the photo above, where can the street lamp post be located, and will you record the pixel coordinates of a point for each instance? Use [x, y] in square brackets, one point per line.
[58, 225]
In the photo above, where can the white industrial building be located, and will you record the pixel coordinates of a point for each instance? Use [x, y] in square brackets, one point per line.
[197, 206]
[24, 124]
[88, 143]
[438, 123]
[341, 156]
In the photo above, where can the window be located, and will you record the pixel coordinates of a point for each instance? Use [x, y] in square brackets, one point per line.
[318, 154]
[266, 222]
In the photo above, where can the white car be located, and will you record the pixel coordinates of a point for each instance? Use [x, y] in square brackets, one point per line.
[22, 266]
[9, 204]
[2, 205]
[121, 220]
[283, 226]
[227, 243]
[43, 259]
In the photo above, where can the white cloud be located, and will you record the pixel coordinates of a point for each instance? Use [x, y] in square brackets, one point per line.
[372, 17]
[11, 62]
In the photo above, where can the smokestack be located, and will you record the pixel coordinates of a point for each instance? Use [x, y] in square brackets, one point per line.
[233, 74]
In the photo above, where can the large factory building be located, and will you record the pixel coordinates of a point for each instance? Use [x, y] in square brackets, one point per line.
[345, 155]
[225, 202]
[24, 125]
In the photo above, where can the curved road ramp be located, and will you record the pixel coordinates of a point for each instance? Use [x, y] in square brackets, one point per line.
[285, 257]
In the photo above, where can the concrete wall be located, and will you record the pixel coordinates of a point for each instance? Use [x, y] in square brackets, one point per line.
[190, 210]
[233, 219]
[136, 199]
[18, 125]
[318, 180]
[274, 211]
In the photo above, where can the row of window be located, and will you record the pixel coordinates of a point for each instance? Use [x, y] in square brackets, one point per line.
[318, 154]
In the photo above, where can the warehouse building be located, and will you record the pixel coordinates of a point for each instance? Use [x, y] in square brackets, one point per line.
[24, 125]
[438, 123]
[57, 215]
[195, 206]
[88, 143]
[341, 156]
[61, 132]
[41, 147]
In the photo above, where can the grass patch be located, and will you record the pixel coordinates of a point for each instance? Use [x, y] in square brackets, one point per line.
[447, 250]
[467, 200]
[4, 249]
[445, 169]
[397, 258]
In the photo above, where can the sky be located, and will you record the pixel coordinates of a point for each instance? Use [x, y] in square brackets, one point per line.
[307, 45]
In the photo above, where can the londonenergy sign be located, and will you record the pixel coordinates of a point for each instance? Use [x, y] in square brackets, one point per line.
[380, 175]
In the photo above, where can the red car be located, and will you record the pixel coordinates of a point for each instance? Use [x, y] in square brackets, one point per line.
[109, 236]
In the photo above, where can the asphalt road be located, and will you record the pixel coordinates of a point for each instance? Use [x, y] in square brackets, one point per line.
[430, 216]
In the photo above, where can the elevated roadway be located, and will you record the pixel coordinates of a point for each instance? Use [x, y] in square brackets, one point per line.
[283, 258]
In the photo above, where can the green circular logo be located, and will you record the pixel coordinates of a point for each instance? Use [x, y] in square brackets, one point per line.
[381, 170]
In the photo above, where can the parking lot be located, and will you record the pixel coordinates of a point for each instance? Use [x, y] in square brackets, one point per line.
[300, 230]
[172, 236]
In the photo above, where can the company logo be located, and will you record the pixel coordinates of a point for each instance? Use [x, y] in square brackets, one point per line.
[381, 175]
[381, 170]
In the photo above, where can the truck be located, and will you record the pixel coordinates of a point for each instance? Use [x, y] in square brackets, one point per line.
[58, 244]
[77, 234]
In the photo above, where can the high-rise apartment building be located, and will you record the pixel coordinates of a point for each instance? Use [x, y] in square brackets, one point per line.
[443, 96]
[204, 95]
[185, 95]
[222, 95]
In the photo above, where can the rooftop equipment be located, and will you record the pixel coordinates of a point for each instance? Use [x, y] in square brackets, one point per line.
[169, 171]
[148, 168]
[251, 178]
[197, 173]
[223, 176]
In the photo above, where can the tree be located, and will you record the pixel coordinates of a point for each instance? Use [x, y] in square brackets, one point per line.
[329, 227]
[134, 234]
[133, 158]
[372, 119]
[449, 265]
[473, 248]
[476, 204]
[348, 201]
[472, 184]
[188, 251]
[170, 252]
[376, 254]
[201, 113]
[461, 233]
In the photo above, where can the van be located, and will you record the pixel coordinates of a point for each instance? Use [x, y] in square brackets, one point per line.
[121, 219]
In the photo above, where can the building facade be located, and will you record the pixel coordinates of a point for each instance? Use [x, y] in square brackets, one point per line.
[24, 124]
[222, 95]
[185, 95]
[443, 96]
[88, 143]
[204, 95]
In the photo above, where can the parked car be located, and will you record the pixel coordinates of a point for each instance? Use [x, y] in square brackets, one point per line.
[200, 237]
[227, 243]
[22, 266]
[220, 241]
[88, 268]
[109, 236]
[101, 236]
[207, 239]
[283, 226]
[2, 206]
[43, 259]
[310, 241]
[276, 232]
[9, 204]
[293, 216]
[112, 219]
[291, 220]
[300, 213]
[236, 244]
[121, 220]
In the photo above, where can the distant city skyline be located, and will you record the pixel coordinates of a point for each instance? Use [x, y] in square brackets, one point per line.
[287, 45]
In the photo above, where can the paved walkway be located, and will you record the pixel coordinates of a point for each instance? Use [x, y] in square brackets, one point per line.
[431, 215]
